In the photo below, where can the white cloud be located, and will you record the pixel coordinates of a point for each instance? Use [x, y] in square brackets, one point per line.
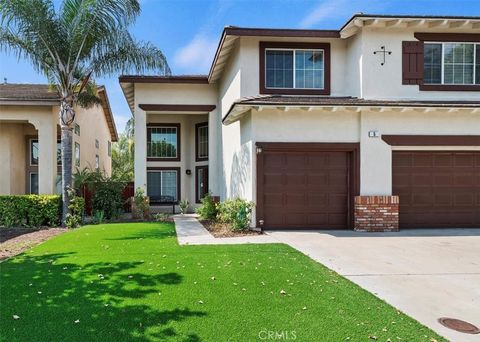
[340, 9]
[197, 55]
[323, 11]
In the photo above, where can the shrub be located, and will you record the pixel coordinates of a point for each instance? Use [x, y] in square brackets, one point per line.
[98, 217]
[161, 217]
[108, 198]
[140, 204]
[236, 212]
[184, 206]
[208, 208]
[29, 210]
[77, 208]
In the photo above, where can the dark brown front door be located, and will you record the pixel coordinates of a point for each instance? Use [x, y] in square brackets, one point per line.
[437, 189]
[305, 186]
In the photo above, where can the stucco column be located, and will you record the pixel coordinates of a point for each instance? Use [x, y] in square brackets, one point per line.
[4, 161]
[47, 156]
[214, 141]
[140, 149]
[375, 159]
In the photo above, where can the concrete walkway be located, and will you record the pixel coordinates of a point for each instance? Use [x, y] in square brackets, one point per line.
[427, 274]
[192, 232]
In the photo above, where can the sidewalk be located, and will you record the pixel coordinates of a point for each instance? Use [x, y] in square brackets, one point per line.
[192, 232]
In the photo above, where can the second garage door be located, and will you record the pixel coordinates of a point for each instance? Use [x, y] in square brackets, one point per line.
[300, 188]
[437, 189]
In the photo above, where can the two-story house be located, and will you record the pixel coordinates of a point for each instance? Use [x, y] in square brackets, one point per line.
[373, 126]
[30, 156]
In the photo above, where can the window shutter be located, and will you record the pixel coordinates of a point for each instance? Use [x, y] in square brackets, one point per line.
[412, 62]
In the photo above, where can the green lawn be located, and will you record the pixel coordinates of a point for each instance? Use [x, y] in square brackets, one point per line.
[121, 282]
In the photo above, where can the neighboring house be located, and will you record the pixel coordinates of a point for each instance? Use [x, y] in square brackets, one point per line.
[323, 128]
[30, 159]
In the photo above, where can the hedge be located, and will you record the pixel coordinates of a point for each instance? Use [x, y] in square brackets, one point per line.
[30, 210]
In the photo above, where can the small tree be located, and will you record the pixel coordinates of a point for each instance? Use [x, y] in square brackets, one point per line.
[72, 45]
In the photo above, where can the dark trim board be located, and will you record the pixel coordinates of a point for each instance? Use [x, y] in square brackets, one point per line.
[432, 140]
[447, 37]
[177, 107]
[197, 126]
[161, 168]
[449, 87]
[199, 167]
[354, 169]
[179, 141]
[295, 45]
[193, 79]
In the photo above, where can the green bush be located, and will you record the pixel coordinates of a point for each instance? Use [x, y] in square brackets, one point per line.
[141, 205]
[208, 208]
[108, 198]
[29, 210]
[236, 212]
[77, 210]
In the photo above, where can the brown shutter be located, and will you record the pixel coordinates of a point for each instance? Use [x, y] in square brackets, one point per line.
[412, 62]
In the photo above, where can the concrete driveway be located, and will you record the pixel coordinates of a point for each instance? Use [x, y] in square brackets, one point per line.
[427, 274]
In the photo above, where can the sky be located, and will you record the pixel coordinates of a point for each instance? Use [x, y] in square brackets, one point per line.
[188, 31]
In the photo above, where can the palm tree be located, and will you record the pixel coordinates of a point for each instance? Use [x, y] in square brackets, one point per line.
[72, 45]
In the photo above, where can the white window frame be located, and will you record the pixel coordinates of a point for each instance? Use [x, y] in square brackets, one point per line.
[75, 154]
[294, 69]
[443, 62]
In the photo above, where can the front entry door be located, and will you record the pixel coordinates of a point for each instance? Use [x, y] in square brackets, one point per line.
[201, 179]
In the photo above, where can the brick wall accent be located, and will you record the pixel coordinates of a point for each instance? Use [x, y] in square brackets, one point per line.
[376, 213]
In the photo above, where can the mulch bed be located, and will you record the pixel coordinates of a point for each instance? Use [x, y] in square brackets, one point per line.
[220, 230]
[14, 241]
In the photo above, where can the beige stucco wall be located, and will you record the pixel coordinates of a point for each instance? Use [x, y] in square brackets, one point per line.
[93, 125]
[12, 157]
[187, 150]
[385, 82]
[21, 120]
[198, 94]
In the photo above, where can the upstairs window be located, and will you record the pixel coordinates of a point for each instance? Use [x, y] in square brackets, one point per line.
[34, 152]
[294, 68]
[201, 137]
[163, 142]
[452, 63]
[77, 129]
[299, 69]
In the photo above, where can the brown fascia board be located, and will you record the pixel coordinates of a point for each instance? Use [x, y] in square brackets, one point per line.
[402, 16]
[200, 79]
[265, 32]
[177, 107]
[107, 110]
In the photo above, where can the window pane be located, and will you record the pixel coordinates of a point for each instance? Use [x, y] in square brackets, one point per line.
[59, 153]
[169, 185]
[432, 63]
[34, 183]
[309, 69]
[162, 186]
[162, 142]
[202, 141]
[477, 63]
[279, 69]
[458, 63]
[34, 152]
[77, 154]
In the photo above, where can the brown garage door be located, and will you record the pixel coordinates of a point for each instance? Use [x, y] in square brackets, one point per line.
[437, 189]
[304, 188]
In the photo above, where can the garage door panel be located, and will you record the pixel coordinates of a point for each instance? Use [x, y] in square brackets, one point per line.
[305, 189]
[445, 195]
